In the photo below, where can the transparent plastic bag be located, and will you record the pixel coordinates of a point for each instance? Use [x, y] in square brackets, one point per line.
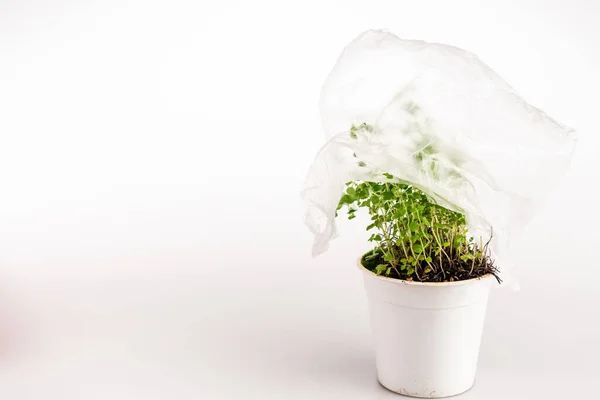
[437, 117]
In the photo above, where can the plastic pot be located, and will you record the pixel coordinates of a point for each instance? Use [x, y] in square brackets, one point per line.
[426, 335]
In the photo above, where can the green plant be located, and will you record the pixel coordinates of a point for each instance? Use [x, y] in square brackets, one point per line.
[415, 238]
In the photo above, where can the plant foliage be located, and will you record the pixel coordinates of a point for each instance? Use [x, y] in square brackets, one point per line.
[415, 239]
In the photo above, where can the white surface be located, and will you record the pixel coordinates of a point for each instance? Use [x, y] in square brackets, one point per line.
[143, 255]
[426, 336]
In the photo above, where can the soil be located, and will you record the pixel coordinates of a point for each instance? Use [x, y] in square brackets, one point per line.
[457, 270]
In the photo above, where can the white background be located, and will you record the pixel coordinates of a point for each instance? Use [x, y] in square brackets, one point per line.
[151, 235]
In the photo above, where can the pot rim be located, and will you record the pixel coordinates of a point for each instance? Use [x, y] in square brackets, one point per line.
[425, 284]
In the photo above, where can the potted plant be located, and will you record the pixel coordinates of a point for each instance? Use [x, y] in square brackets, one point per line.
[427, 282]
[437, 149]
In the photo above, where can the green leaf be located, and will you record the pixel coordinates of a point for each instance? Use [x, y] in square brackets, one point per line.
[346, 199]
[389, 176]
[373, 225]
[362, 164]
[430, 149]
[351, 192]
[388, 256]
[418, 248]
[388, 196]
[380, 268]
[414, 226]
[428, 259]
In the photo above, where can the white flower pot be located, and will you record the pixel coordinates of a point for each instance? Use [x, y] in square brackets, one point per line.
[426, 335]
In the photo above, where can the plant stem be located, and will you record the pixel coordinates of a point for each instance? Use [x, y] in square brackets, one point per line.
[439, 242]
[422, 245]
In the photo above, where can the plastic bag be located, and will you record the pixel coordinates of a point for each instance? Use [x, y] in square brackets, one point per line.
[439, 118]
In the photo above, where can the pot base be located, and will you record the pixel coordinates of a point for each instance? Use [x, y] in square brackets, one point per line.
[431, 395]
